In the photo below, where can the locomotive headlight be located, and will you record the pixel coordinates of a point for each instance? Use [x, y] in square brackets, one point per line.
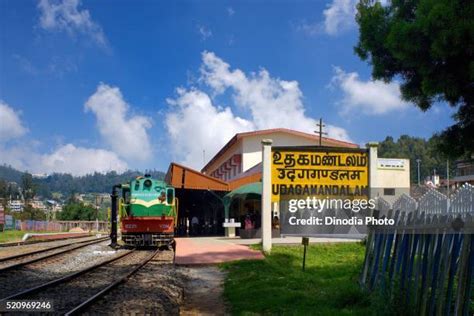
[147, 183]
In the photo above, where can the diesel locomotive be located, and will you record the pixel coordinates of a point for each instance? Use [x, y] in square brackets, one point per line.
[147, 212]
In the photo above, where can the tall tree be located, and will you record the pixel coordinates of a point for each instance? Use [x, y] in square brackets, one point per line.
[28, 188]
[3, 189]
[413, 148]
[429, 44]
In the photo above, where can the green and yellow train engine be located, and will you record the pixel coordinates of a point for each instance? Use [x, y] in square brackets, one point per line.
[148, 213]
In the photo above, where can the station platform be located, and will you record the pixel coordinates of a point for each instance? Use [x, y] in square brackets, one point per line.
[211, 250]
[290, 240]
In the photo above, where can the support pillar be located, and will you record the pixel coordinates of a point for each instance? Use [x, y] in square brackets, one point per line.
[373, 156]
[266, 195]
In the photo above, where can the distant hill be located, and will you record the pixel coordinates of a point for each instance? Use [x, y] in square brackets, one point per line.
[66, 183]
[10, 174]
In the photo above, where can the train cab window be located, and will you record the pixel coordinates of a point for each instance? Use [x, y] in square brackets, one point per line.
[170, 196]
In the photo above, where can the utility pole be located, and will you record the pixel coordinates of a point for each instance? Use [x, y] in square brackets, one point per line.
[418, 167]
[203, 157]
[96, 206]
[320, 131]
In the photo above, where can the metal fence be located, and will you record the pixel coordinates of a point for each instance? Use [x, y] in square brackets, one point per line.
[426, 259]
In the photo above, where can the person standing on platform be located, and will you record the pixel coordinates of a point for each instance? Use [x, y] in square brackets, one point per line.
[195, 225]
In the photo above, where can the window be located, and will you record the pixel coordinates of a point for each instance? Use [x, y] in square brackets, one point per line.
[389, 191]
[170, 196]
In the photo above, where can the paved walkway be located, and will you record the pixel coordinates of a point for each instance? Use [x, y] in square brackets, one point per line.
[211, 250]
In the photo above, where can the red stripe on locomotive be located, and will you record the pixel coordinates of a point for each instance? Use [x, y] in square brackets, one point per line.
[158, 224]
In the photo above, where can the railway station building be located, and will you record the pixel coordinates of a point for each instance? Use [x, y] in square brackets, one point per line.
[237, 164]
[237, 168]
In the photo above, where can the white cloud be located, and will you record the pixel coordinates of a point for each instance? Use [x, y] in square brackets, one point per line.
[230, 11]
[65, 159]
[126, 134]
[336, 132]
[20, 157]
[368, 97]
[310, 29]
[272, 102]
[204, 32]
[57, 66]
[25, 155]
[65, 15]
[81, 161]
[196, 124]
[339, 16]
[26, 65]
[11, 126]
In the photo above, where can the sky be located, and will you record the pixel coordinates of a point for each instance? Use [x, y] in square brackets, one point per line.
[93, 85]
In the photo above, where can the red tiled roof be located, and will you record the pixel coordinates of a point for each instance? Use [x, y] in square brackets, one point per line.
[180, 176]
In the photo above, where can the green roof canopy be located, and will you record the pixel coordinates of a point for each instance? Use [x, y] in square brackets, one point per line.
[251, 188]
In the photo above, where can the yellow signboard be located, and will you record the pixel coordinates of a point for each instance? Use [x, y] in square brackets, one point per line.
[319, 172]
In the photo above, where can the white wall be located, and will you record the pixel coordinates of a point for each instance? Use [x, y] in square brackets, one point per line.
[394, 178]
[252, 146]
[389, 174]
[235, 149]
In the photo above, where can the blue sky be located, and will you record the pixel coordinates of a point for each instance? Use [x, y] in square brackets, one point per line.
[97, 85]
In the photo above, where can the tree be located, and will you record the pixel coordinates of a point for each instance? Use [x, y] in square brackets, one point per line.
[415, 148]
[75, 211]
[3, 189]
[28, 187]
[429, 44]
[30, 213]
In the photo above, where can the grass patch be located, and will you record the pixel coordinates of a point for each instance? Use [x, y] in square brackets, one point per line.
[14, 235]
[277, 285]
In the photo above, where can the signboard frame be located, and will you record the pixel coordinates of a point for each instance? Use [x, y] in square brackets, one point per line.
[328, 150]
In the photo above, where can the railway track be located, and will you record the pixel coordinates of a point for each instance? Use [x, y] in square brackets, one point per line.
[33, 242]
[77, 291]
[19, 260]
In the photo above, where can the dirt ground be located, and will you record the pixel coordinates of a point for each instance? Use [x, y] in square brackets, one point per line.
[158, 288]
[203, 292]
[165, 289]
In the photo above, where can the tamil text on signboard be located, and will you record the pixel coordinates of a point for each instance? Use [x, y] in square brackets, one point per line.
[321, 190]
[319, 172]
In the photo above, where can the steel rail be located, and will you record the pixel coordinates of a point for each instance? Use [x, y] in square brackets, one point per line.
[34, 241]
[47, 249]
[20, 264]
[79, 308]
[63, 279]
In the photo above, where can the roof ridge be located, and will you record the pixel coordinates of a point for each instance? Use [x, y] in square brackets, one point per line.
[241, 135]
